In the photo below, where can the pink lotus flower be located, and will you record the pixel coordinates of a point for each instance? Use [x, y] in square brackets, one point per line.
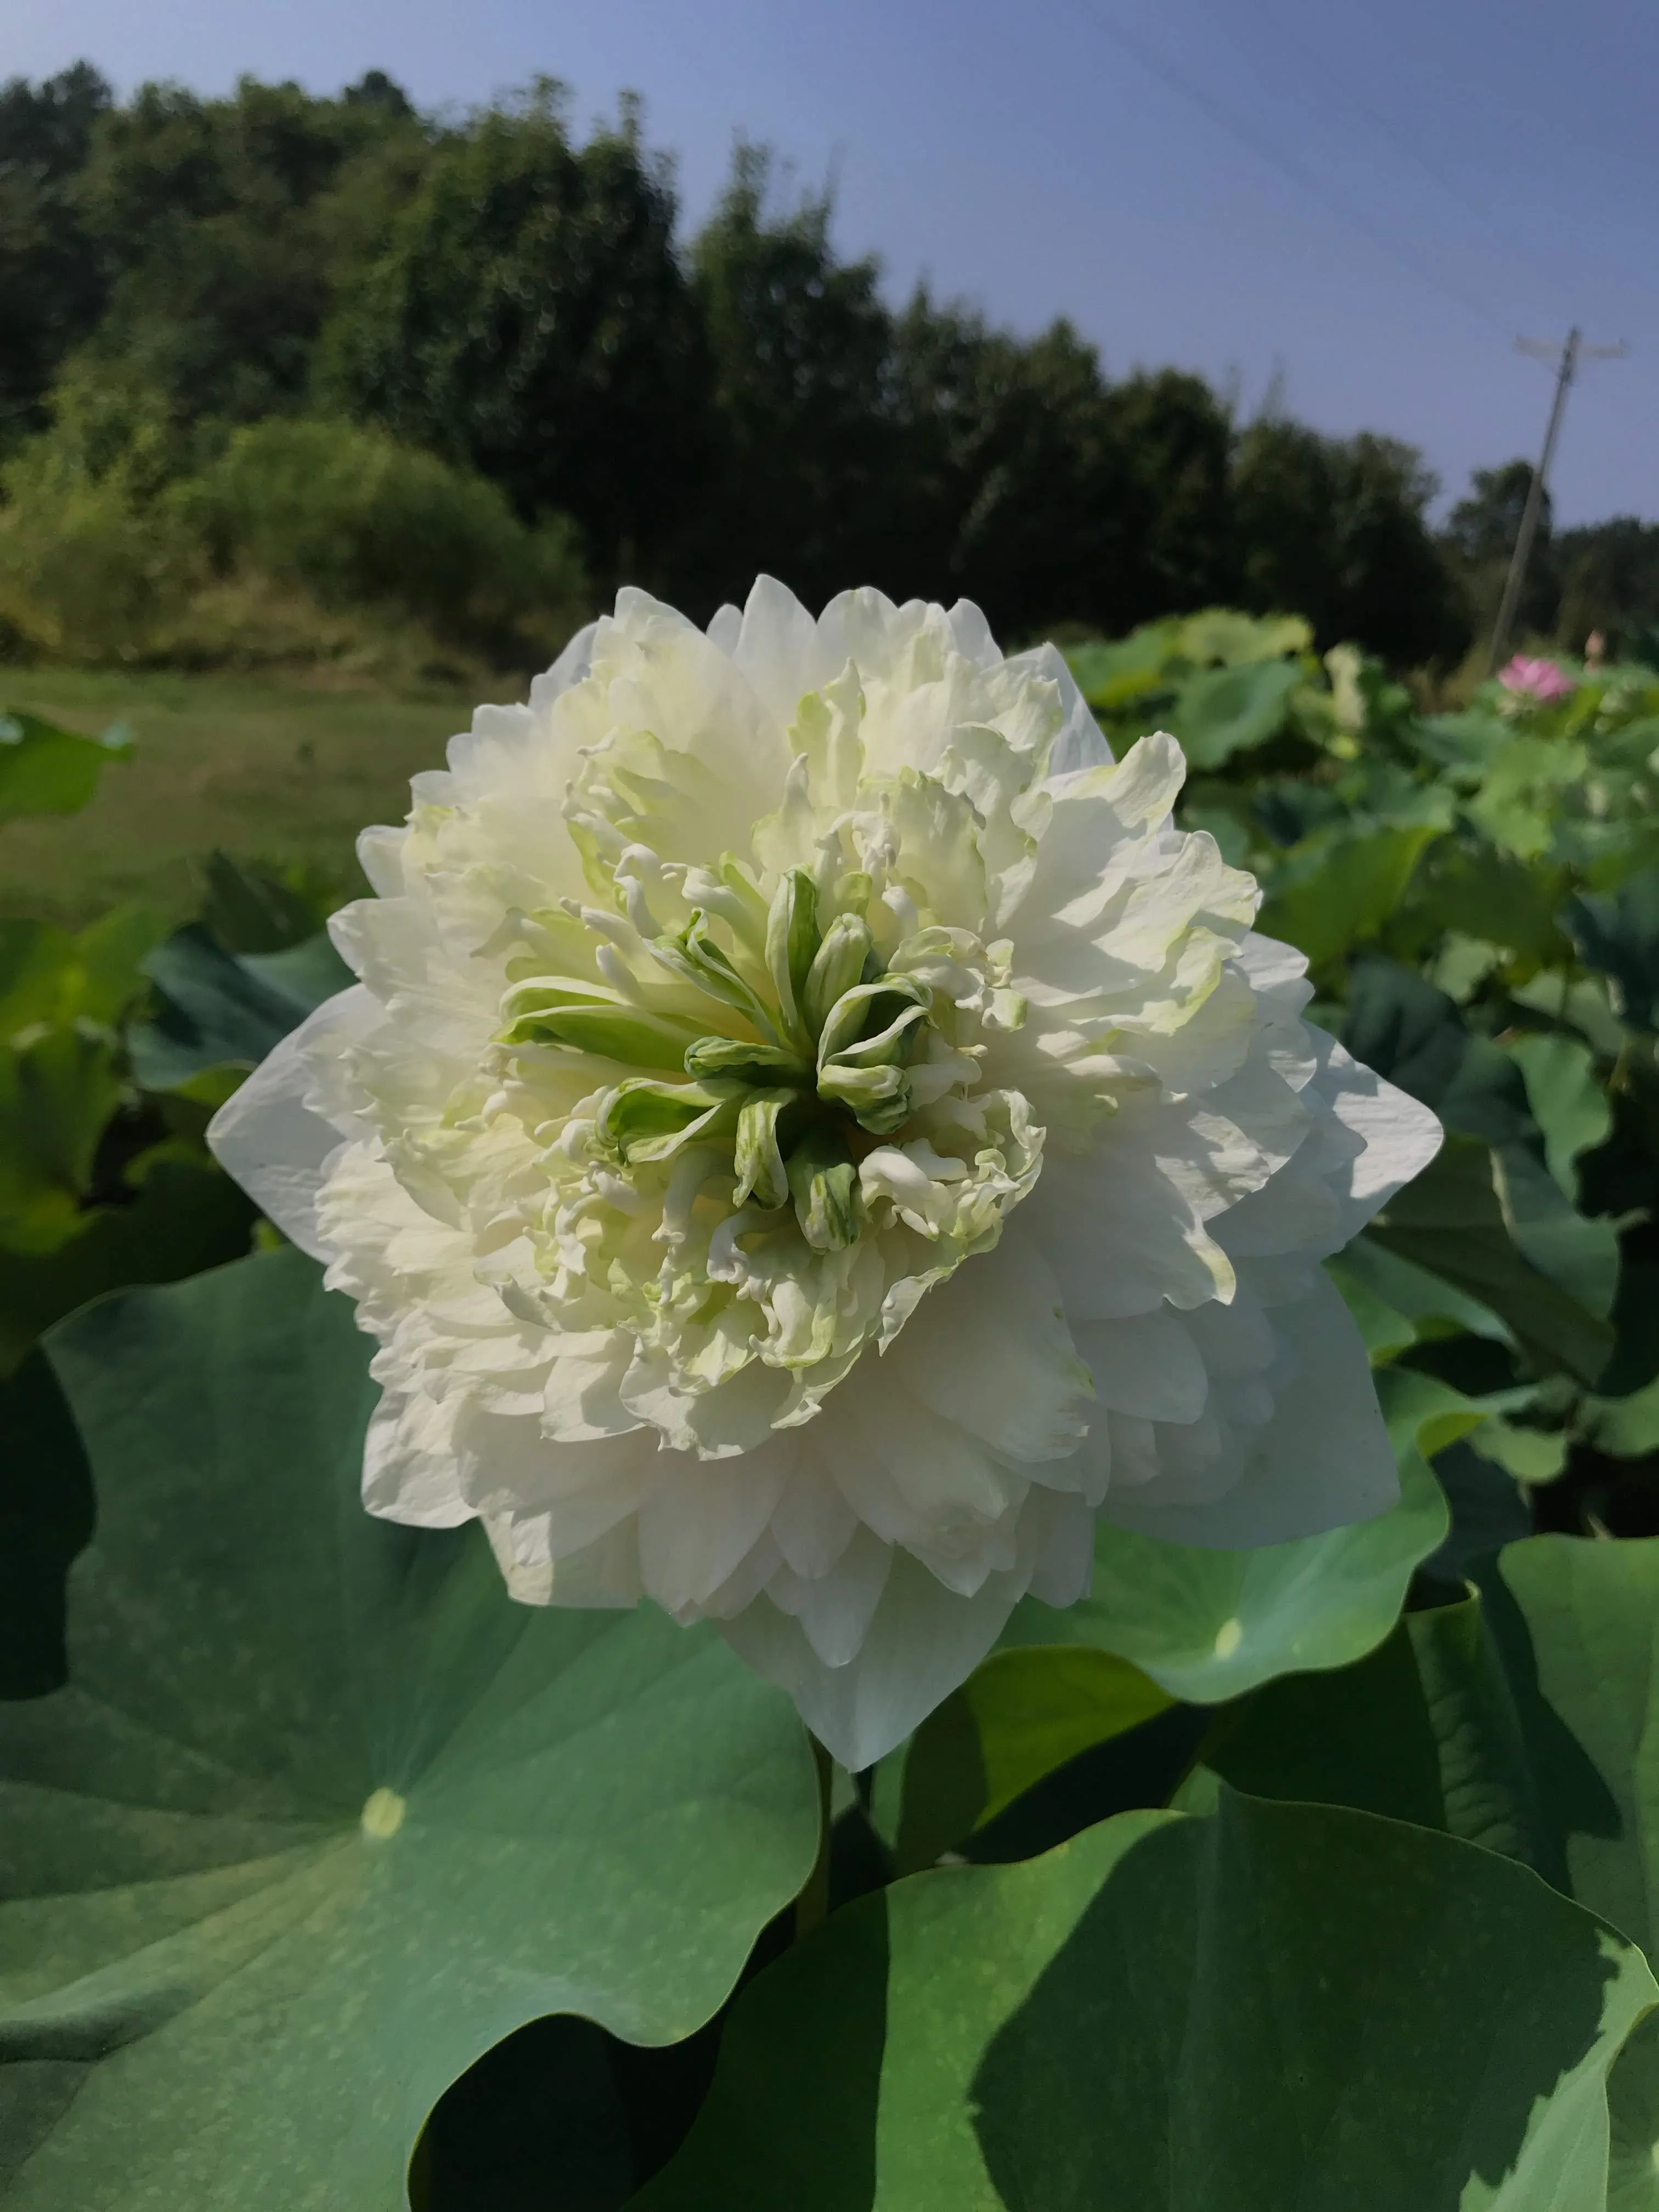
[1537, 679]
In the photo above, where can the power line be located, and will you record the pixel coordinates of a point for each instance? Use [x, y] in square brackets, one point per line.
[1385, 129]
[1278, 157]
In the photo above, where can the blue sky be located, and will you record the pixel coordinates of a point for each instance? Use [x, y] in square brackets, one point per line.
[1368, 201]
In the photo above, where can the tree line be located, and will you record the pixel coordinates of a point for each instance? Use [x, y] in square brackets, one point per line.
[522, 304]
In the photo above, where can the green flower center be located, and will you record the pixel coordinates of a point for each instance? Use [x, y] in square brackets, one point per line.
[808, 1064]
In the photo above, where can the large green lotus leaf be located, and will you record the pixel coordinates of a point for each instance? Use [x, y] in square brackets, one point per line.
[1567, 1099]
[1223, 711]
[1458, 1220]
[1424, 1728]
[1576, 1251]
[1635, 1361]
[1342, 891]
[46, 1517]
[47, 770]
[1484, 893]
[1580, 1635]
[249, 906]
[1022, 1714]
[1587, 1005]
[220, 1008]
[1209, 1625]
[1402, 1025]
[1224, 635]
[1396, 1304]
[1618, 935]
[1623, 1428]
[1282, 2005]
[322, 1815]
[1519, 800]
[1112, 676]
[61, 1072]
[49, 975]
[1465, 742]
[1551, 1757]
[185, 1215]
[58, 1090]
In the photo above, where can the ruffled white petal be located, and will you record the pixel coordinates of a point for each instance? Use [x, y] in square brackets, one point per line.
[990, 1351]
[1321, 1461]
[410, 1471]
[274, 1134]
[922, 1640]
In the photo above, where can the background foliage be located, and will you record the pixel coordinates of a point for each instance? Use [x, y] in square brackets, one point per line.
[211, 305]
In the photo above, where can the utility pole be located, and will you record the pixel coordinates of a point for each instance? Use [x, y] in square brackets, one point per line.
[1573, 353]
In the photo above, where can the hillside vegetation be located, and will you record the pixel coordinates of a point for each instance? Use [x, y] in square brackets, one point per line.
[295, 380]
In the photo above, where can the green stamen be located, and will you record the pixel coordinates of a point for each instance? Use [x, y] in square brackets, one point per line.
[762, 1064]
[823, 1183]
[641, 1120]
[842, 959]
[694, 957]
[792, 940]
[759, 1155]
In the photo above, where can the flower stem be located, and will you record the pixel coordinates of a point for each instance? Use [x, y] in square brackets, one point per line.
[812, 1906]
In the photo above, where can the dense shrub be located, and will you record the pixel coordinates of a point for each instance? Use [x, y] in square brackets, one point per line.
[295, 540]
[93, 556]
[357, 519]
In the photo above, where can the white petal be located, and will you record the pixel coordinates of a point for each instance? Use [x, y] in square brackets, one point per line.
[990, 1349]
[702, 1518]
[580, 1401]
[607, 1574]
[270, 1140]
[1081, 742]
[812, 1523]
[1062, 1530]
[1401, 1136]
[973, 635]
[835, 1609]
[409, 1471]
[568, 670]
[1322, 1461]
[1120, 1236]
[1277, 969]
[725, 626]
[923, 1642]
[918, 1480]
[778, 650]
[1148, 1366]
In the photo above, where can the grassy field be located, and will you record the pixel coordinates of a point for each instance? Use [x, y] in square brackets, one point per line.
[260, 767]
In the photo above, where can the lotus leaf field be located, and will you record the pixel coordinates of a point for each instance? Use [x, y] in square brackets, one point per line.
[1317, 1876]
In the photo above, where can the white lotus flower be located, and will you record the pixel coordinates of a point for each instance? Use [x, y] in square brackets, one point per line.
[810, 1134]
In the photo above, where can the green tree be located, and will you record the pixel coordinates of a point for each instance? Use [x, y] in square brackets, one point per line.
[1337, 529]
[527, 314]
[1609, 582]
[1481, 532]
[1017, 480]
[1048, 495]
[805, 447]
[51, 281]
[1177, 439]
[215, 220]
[1484, 526]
